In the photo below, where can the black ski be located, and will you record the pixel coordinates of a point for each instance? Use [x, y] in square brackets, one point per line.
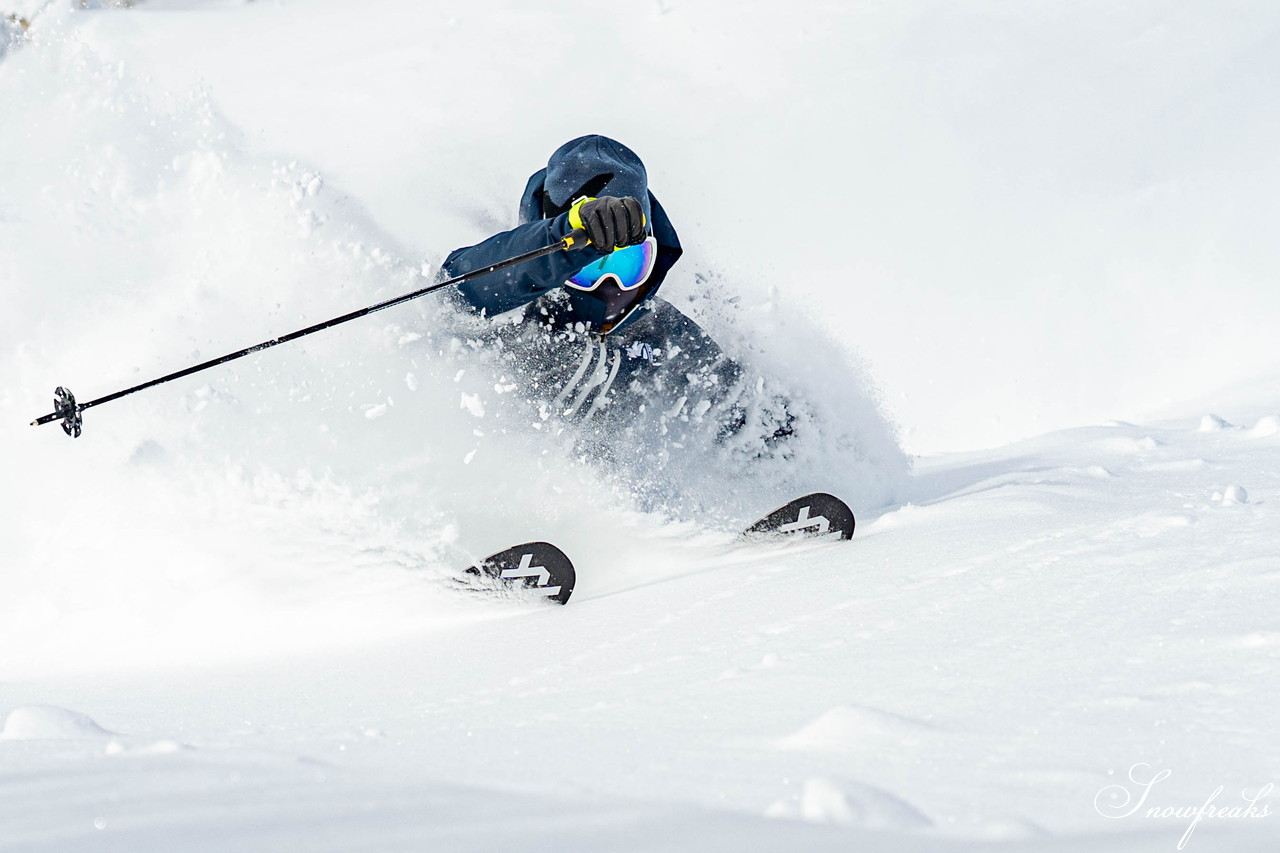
[815, 516]
[542, 569]
[534, 568]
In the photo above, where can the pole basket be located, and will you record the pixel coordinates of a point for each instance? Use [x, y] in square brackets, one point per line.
[64, 407]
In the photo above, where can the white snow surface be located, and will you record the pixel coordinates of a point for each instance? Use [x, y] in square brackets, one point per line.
[979, 230]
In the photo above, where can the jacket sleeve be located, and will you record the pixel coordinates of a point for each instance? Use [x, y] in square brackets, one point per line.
[510, 288]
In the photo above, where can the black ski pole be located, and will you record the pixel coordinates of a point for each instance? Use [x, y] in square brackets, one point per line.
[66, 409]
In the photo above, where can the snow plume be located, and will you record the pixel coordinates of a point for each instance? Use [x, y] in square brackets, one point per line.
[233, 510]
[302, 494]
[844, 442]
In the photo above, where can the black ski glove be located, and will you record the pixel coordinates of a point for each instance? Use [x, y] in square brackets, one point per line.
[611, 223]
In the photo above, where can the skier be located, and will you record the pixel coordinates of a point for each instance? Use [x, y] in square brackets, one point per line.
[594, 342]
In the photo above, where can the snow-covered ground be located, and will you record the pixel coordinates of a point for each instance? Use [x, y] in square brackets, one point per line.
[223, 624]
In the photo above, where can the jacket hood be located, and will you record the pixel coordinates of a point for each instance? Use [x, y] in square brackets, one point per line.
[591, 165]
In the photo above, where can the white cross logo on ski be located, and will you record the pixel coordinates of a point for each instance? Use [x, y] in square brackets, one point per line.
[534, 566]
[526, 569]
[804, 522]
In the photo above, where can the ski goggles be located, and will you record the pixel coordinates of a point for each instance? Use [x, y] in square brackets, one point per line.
[629, 268]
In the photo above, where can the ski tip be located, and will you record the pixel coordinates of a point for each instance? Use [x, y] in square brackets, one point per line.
[815, 516]
[534, 568]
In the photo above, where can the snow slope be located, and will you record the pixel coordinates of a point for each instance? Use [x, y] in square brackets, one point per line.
[222, 623]
[979, 665]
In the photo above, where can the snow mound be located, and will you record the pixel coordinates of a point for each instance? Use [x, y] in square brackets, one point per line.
[41, 722]
[1213, 423]
[853, 727]
[1232, 495]
[1266, 427]
[849, 803]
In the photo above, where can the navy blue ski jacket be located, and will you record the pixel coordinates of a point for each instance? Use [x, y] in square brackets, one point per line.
[592, 166]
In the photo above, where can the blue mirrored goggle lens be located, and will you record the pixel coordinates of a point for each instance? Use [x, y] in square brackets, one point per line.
[629, 267]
